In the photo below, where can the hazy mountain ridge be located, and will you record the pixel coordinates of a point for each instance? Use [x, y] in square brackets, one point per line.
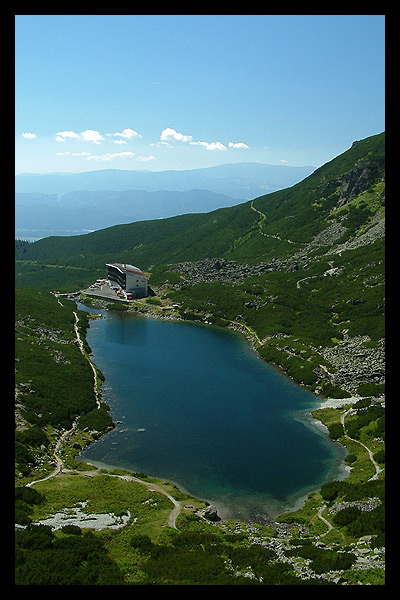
[73, 203]
[237, 180]
[41, 215]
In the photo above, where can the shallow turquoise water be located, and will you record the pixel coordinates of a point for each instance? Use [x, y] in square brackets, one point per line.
[200, 408]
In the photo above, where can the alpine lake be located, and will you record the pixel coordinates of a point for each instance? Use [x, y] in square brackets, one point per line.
[195, 405]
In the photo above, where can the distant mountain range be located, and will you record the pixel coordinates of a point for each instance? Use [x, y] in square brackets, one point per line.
[72, 203]
[242, 181]
[40, 215]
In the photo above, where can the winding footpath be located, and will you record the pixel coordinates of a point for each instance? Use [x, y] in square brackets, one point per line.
[177, 507]
[378, 469]
[153, 487]
[59, 463]
[261, 222]
[329, 525]
[57, 450]
[82, 349]
[156, 488]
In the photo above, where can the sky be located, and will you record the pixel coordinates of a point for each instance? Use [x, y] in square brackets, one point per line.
[159, 92]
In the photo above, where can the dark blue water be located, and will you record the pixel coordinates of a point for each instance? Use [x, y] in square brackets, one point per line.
[199, 408]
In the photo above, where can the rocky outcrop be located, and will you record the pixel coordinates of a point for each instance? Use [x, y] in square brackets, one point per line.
[355, 181]
[221, 269]
[355, 363]
[374, 232]
[211, 514]
[362, 505]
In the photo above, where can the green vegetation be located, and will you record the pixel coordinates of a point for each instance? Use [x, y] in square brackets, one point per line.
[53, 379]
[323, 292]
[145, 552]
[324, 560]
[296, 214]
[43, 558]
[325, 284]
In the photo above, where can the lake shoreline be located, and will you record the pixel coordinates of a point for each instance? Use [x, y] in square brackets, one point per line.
[297, 499]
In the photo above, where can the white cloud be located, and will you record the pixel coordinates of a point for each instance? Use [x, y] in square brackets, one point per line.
[205, 144]
[28, 135]
[215, 146]
[127, 133]
[170, 135]
[62, 136]
[160, 144]
[85, 154]
[238, 145]
[120, 142]
[210, 145]
[92, 136]
[146, 158]
[108, 156]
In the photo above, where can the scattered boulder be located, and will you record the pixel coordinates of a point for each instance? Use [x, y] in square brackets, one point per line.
[211, 514]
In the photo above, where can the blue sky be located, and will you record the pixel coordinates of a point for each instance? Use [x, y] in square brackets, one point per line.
[190, 91]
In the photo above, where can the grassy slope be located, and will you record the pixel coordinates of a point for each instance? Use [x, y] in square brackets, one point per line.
[318, 311]
[296, 212]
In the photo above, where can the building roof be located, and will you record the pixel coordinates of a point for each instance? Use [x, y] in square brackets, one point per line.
[125, 268]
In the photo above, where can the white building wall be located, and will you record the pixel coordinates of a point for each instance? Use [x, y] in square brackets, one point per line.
[135, 283]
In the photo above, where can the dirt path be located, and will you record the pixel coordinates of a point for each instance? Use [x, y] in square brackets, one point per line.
[260, 225]
[329, 525]
[177, 506]
[152, 487]
[82, 349]
[378, 469]
[59, 463]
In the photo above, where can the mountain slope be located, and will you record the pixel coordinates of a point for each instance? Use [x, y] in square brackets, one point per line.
[300, 270]
[280, 223]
